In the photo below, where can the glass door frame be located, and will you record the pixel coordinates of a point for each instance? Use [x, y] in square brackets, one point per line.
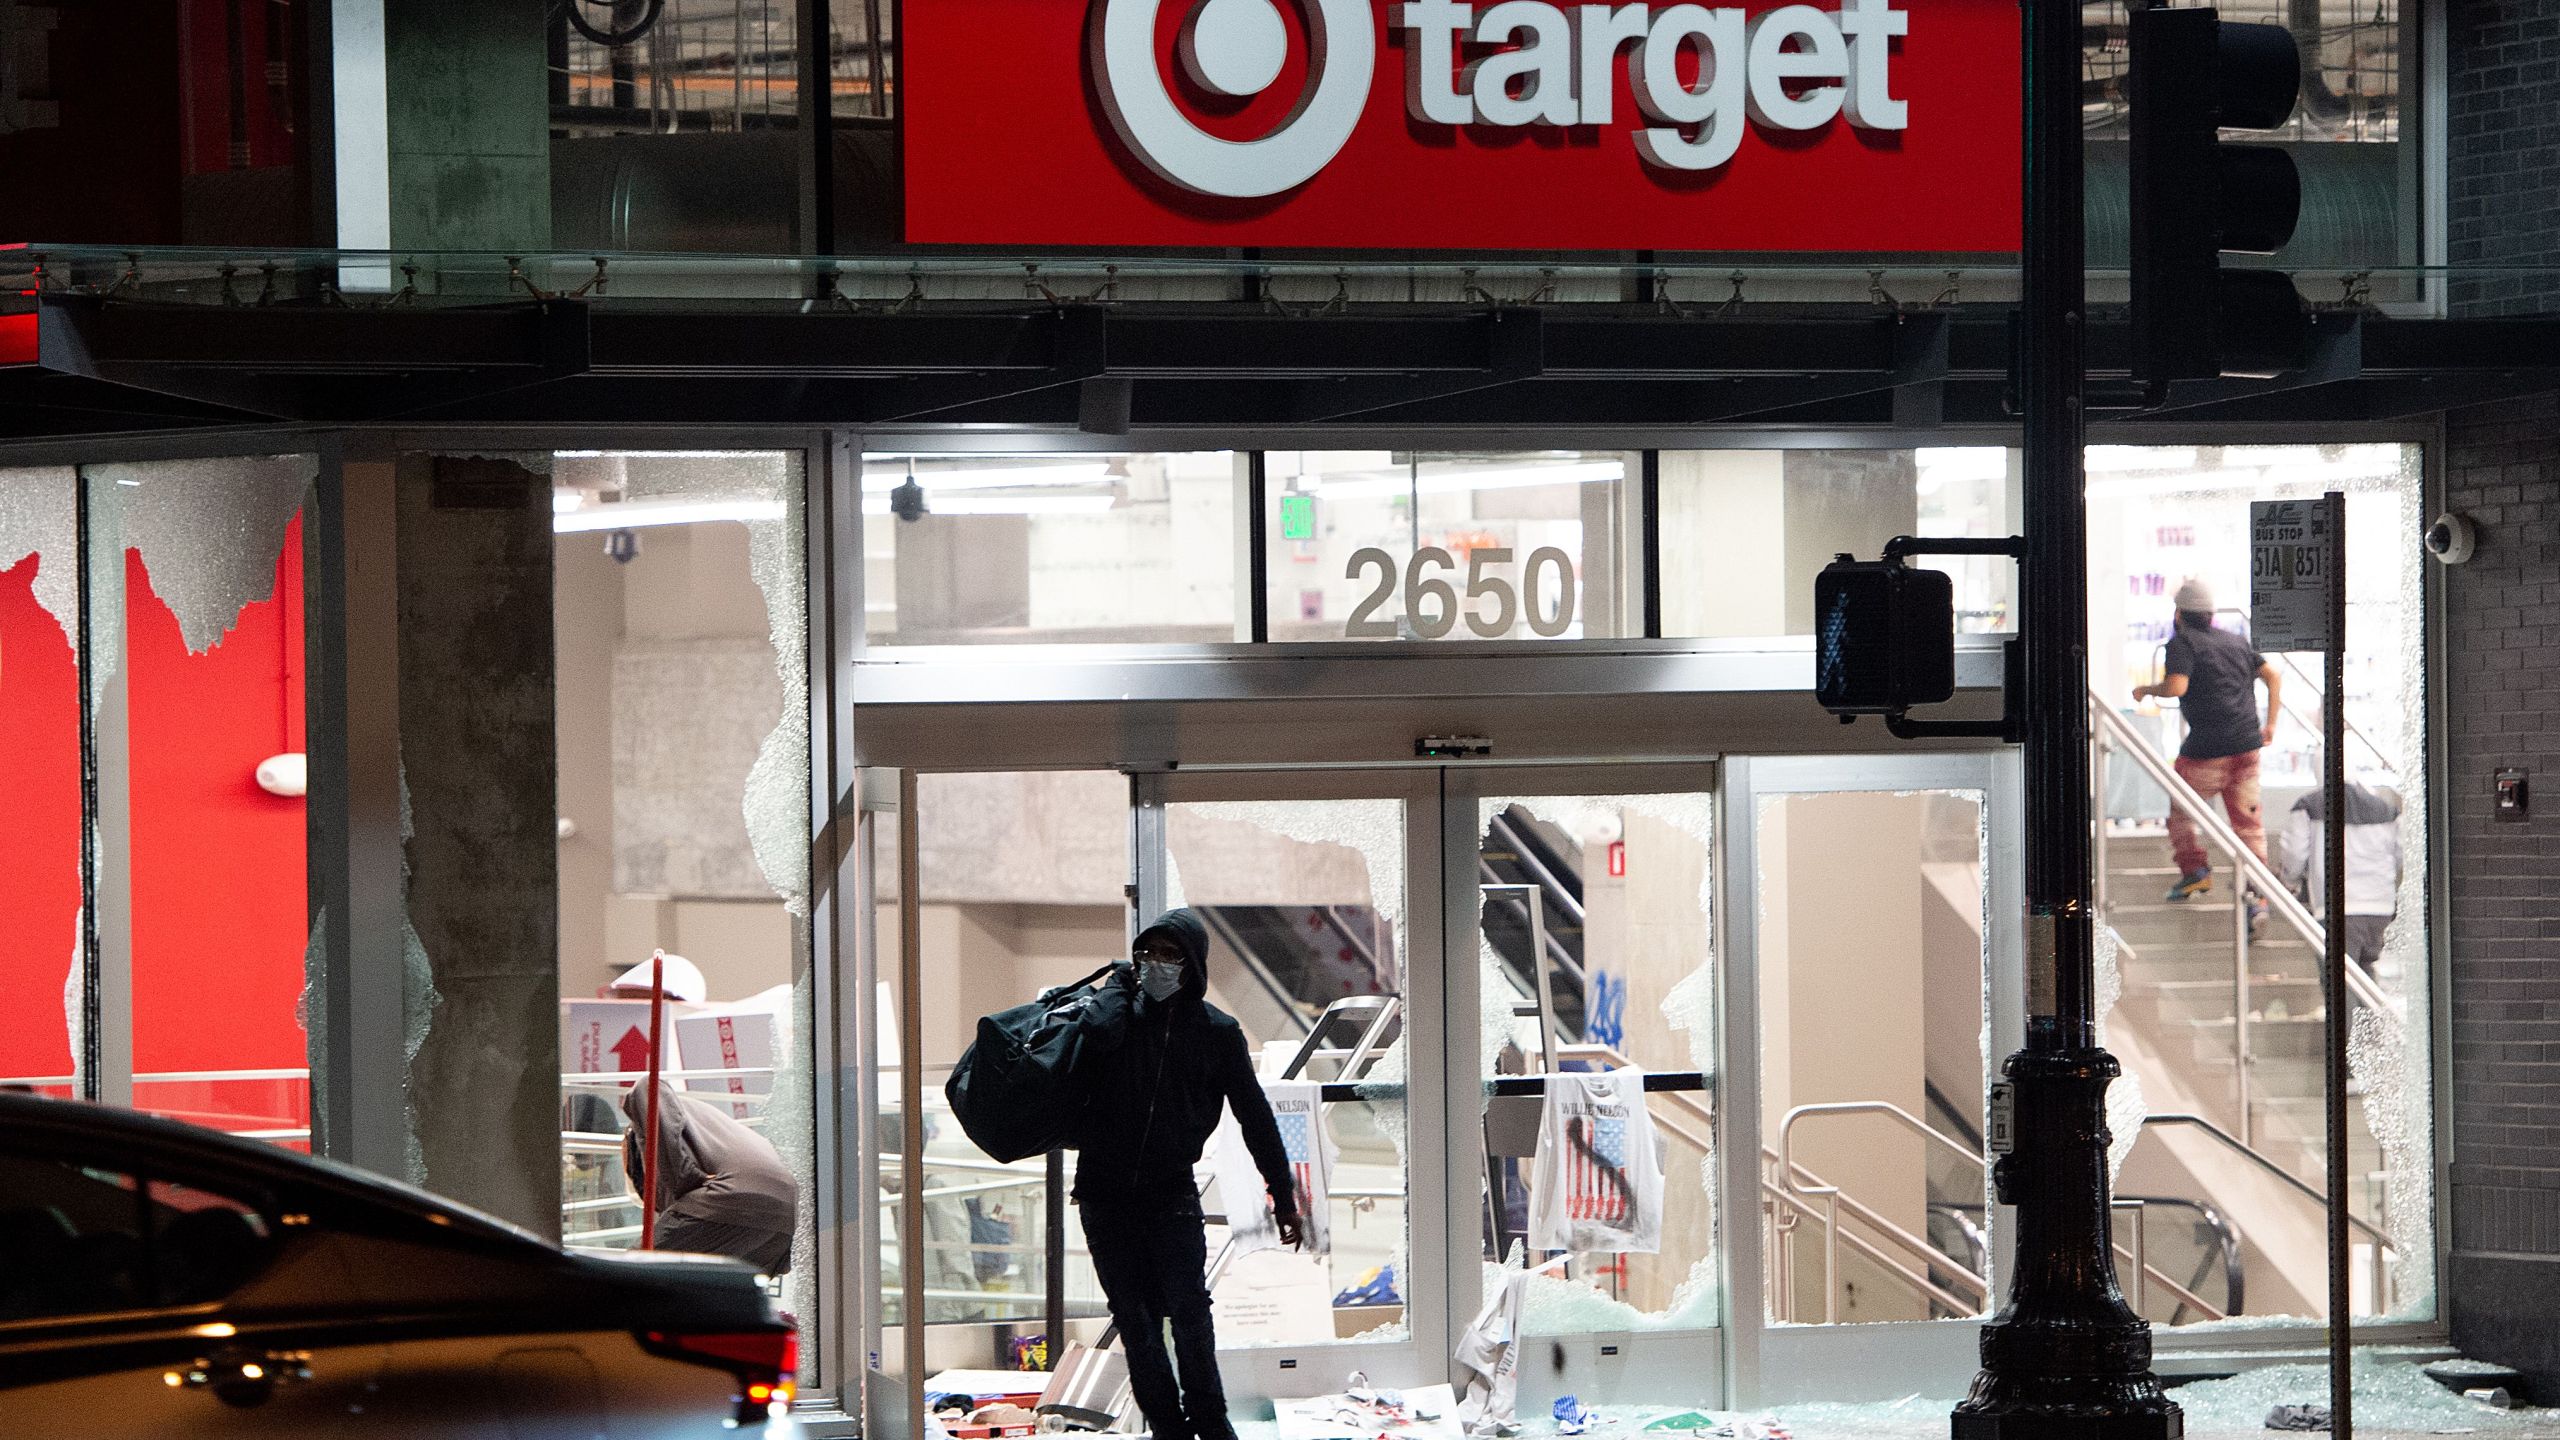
[1608, 1364]
[1772, 1363]
[1420, 1357]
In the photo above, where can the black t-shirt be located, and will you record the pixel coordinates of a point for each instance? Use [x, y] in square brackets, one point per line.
[2221, 703]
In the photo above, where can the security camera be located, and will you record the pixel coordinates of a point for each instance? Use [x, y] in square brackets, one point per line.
[907, 501]
[2452, 538]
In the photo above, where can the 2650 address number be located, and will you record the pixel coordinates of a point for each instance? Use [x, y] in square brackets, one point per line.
[1433, 608]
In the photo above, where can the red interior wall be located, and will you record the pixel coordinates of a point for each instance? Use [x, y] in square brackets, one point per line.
[219, 922]
[40, 834]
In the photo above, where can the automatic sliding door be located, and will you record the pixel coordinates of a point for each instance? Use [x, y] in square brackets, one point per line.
[1305, 882]
[1587, 900]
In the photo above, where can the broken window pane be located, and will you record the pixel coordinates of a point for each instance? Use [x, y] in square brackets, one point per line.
[2223, 1021]
[1305, 903]
[680, 622]
[196, 647]
[40, 950]
[1596, 953]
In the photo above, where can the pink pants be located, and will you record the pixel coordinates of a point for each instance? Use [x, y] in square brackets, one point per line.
[2235, 779]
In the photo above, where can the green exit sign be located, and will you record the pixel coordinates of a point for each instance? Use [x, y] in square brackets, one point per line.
[1297, 517]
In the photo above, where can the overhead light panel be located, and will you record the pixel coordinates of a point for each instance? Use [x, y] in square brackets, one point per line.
[640, 514]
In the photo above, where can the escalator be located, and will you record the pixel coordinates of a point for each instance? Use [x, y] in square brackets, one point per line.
[1522, 850]
[1276, 967]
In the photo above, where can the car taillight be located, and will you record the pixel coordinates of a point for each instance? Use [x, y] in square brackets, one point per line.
[763, 1361]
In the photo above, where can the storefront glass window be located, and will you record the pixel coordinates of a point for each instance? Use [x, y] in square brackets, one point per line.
[1389, 545]
[680, 621]
[2347, 132]
[1744, 532]
[1083, 548]
[205, 685]
[2220, 1019]
[179, 986]
[41, 961]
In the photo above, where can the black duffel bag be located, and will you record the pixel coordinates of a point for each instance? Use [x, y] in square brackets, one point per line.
[1021, 1088]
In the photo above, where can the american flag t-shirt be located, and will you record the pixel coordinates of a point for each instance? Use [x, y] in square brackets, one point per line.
[1597, 1183]
[1596, 1169]
[1297, 1137]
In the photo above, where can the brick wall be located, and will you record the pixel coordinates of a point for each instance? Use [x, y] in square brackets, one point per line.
[2503, 151]
[2502, 675]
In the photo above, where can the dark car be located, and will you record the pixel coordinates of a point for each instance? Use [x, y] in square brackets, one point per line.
[161, 1280]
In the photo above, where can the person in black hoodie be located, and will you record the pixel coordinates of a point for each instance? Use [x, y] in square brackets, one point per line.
[1155, 1102]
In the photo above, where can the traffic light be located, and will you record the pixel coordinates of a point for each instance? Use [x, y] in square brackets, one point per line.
[1884, 637]
[2196, 196]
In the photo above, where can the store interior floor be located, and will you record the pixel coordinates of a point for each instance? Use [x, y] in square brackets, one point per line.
[2395, 1400]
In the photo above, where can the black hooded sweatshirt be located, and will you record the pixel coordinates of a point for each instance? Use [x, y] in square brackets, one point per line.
[1156, 1098]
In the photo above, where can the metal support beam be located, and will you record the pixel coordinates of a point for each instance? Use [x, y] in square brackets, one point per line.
[358, 910]
[105, 1051]
[1515, 349]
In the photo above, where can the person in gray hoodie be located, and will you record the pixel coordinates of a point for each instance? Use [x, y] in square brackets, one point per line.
[2373, 863]
[722, 1188]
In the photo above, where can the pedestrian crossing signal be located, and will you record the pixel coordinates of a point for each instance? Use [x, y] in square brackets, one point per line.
[1884, 637]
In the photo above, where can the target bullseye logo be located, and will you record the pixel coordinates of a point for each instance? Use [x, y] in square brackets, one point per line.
[1234, 48]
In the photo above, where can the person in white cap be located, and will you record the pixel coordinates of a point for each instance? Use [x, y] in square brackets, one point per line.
[2214, 676]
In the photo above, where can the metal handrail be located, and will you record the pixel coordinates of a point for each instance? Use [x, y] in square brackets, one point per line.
[2294, 668]
[2259, 873]
[1909, 1121]
[2381, 1238]
[1802, 1188]
[2226, 1238]
[1815, 1187]
[1490, 883]
[1919, 1284]
[2144, 1272]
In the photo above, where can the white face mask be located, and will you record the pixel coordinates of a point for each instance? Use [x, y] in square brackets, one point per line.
[1159, 978]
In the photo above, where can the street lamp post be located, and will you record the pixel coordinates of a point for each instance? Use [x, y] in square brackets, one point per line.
[2066, 1357]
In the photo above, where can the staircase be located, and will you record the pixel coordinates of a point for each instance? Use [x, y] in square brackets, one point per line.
[2183, 972]
[2226, 1029]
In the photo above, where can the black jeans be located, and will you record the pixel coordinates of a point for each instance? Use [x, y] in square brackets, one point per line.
[1151, 1257]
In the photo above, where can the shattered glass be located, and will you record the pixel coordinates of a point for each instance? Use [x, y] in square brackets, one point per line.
[39, 516]
[310, 1011]
[674, 829]
[209, 531]
[418, 995]
[2393, 1069]
[794, 1087]
[2125, 1108]
[2394, 1400]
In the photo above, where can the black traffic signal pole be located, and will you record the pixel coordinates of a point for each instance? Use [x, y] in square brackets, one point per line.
[2066, 1357]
